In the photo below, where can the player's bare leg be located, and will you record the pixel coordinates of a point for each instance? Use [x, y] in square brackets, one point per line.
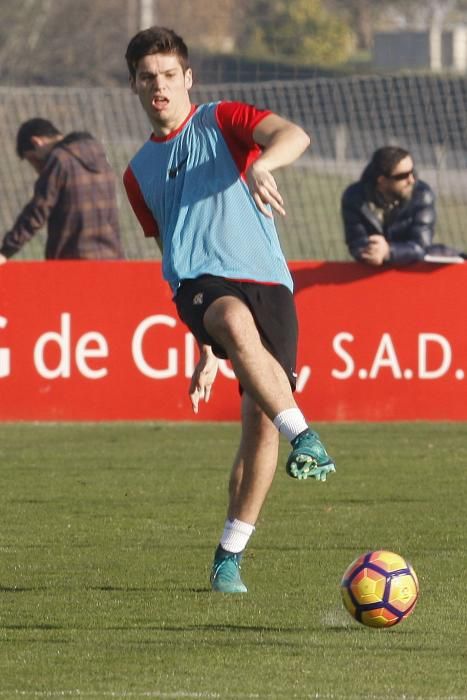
[265, 383]
[251, 478]
[254, 465]
[230, 322]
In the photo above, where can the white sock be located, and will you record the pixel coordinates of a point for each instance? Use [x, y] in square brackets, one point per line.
[290, 423]
[236, 535]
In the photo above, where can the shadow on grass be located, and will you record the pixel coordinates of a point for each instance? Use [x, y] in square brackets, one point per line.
[43, 626]
[17, 589]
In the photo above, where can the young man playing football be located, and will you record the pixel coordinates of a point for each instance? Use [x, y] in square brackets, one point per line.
[202, 186]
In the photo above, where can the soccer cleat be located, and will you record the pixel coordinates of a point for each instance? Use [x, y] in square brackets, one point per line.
[225, 573]
[309, 459]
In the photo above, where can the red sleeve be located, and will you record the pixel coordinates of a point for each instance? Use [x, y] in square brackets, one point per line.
[237, 121]
[139, 206]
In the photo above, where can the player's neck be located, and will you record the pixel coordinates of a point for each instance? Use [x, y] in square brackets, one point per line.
[164, 129]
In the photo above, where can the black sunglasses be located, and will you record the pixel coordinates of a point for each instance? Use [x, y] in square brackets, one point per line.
[401, 176]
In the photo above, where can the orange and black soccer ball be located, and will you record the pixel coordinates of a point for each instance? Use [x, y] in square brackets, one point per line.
[380, 589]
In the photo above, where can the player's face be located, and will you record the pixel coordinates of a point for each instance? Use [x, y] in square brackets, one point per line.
[400, 183]
[162, 87]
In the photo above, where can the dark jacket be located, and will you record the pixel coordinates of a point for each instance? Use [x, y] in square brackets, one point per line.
[75, 195]
[409, 229]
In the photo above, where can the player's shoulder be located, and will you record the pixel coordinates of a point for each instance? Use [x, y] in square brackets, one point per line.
[206, 107]
[205, 113]
[240, 117]
[144, 147]
[142, 154]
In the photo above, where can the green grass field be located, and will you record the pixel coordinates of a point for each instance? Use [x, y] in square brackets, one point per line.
[107, 534]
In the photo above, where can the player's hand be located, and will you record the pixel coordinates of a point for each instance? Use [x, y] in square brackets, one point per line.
[3, 259]
[203, 378]
[264, 190]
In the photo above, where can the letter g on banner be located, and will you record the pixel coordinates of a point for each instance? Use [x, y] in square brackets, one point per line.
[5, 362]
[137, 349]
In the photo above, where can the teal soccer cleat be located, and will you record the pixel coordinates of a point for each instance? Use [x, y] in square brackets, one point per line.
[225, 574]
[309, 459]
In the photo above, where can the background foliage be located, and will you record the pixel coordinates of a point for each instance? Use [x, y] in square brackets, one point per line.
[45, 42]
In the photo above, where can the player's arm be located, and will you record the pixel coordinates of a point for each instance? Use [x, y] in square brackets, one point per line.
[282, 143]
[203, 376]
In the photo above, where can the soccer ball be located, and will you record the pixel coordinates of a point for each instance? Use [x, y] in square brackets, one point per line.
[379, 589]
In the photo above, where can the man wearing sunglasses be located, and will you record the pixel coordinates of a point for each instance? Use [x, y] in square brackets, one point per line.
[389, 215]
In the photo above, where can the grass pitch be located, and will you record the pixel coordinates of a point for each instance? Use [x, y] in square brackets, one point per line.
[107, 535]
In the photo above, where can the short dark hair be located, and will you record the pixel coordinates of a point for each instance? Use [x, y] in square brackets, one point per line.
[155, 40]
[33, 127]
[383, 161]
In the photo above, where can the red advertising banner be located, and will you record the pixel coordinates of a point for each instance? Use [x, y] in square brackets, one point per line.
[102, 341]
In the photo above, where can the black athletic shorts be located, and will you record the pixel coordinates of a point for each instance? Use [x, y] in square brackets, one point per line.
[272, 306]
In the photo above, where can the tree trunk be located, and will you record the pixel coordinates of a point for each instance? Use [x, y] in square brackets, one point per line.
[364, 24]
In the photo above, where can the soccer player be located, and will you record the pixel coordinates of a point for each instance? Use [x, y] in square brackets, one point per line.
[202, 185]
